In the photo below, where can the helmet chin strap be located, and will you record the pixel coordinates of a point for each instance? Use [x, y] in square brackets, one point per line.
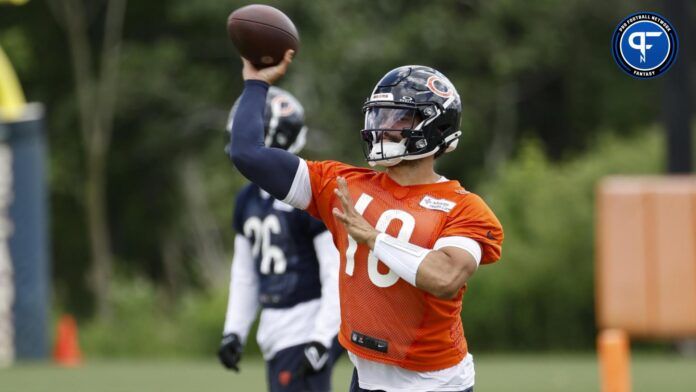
[385, 162]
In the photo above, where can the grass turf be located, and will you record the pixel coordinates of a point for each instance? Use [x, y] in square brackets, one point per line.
[518, 373]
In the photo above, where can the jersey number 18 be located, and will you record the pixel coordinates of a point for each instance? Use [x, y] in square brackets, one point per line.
[408, 223]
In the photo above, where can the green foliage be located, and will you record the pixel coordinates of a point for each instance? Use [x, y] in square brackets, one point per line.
[146, 323]
[540, 295]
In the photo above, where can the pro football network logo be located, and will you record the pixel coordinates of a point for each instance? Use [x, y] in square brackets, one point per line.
[645, 45]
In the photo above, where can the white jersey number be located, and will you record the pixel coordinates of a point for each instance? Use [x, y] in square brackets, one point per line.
[270, 254]
[408, 223]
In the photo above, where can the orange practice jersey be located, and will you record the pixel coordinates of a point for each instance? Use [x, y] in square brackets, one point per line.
[384, 318]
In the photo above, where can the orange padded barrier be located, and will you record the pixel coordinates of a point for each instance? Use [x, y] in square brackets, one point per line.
[646, 255]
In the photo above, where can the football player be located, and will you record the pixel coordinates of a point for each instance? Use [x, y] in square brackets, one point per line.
[409, 239]
[286, 263]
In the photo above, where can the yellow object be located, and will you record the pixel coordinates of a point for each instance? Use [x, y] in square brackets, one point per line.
[14, 2]
[12, 101]
[614, 352]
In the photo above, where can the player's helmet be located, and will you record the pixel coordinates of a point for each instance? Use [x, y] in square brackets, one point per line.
[417, 109]
[283, 121]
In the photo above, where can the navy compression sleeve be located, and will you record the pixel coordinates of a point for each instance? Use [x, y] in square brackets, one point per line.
[272, 169]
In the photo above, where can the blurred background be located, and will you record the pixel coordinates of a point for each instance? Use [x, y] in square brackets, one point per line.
[139, 192]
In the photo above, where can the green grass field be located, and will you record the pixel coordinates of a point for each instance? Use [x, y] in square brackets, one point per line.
[518, 373]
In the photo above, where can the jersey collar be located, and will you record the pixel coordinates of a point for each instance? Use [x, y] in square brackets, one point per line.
[443, 184]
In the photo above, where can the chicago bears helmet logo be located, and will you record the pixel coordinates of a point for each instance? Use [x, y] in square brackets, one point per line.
[439, 87]
[283, 106]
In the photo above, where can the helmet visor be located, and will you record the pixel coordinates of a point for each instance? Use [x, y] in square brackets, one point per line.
[390, 118]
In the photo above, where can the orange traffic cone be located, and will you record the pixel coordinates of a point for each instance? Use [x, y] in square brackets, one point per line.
[614, 349]
[67, 349]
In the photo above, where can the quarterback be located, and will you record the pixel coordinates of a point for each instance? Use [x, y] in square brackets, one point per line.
[408, 238]
[286, 263]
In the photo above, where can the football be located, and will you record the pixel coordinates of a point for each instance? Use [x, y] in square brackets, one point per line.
[262, 34]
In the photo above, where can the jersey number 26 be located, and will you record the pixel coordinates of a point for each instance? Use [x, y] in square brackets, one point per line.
[261, 230]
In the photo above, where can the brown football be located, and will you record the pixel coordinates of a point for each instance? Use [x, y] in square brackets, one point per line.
[262, 34]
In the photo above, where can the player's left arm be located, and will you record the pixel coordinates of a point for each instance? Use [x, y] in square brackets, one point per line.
[444, 271]
[441, 271]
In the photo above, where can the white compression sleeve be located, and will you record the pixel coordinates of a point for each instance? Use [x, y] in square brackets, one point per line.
[328, 317]
[400, 256]
[300, 193]
[465, 243]
[243, 298]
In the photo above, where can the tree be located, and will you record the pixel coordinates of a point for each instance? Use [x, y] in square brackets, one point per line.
[96, 101]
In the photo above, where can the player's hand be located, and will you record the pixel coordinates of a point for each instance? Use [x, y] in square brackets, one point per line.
[358, 228]
[316, 356]
[230, 351]
[269, 74]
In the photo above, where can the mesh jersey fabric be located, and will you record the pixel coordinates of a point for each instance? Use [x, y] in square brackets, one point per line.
[383, 318]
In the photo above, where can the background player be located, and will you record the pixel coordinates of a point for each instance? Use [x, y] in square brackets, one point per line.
[284, 261]
[401, 324]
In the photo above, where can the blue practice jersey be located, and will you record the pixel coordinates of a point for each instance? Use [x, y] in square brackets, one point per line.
[282, 247]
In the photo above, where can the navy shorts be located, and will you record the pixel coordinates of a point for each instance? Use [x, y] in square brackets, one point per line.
[282, 371]
[355, 386]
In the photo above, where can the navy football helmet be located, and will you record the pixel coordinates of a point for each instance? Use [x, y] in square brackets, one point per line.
[283, 121]
[414, 112]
